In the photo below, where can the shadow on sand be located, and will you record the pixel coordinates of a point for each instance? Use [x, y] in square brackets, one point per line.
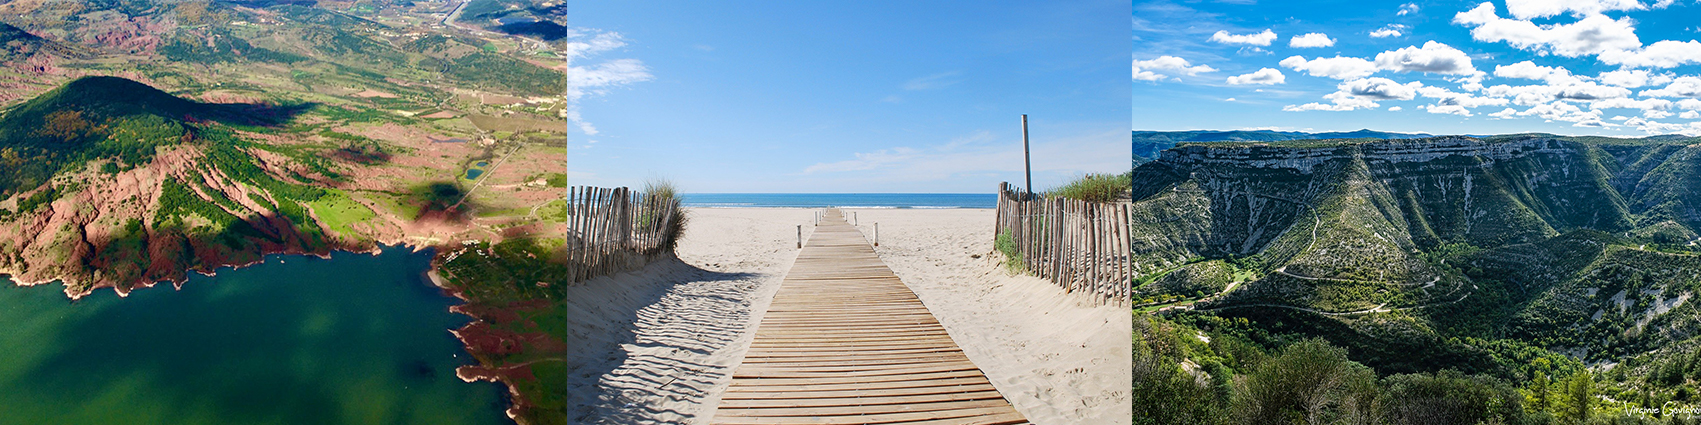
[652, 344]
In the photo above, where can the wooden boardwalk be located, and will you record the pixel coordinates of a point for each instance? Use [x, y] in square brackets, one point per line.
[845, 342]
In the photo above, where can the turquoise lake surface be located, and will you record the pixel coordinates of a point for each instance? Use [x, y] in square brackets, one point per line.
[355, 339]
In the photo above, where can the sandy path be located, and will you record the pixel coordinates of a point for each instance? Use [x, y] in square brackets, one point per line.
[1057, 358]
[659, 345]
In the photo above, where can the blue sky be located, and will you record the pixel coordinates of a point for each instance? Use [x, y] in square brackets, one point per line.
[846, 97]
[1596, 67]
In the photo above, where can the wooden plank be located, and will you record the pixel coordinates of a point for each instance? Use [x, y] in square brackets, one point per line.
[844, 341]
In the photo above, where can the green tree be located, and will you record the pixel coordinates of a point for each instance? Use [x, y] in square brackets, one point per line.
[1450, 397]
[1310, 382]
[1580, 393]
[1539, 392]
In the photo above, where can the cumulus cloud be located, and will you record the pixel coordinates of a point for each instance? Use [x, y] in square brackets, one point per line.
[1689, 115]
[1679, 87]
[1259, 39]
[1530, 71]
[1450, 102]
[1380, 89]
[1394, 108]
[1589, 91]
[1165, 67]
[1661, 54]
[1406, 9]
[1651, 108]
[1565, 112]
[1340, 68]
[1532, 9]
[1593, 34]
[1315, 39]
[1634, 78]
[599, 77]
[1504, 113]
[1266, 76]
[1690, 104]
[1392, 30]
[1655, 127]
[1433, 57]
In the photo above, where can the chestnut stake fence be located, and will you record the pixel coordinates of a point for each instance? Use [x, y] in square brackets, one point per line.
[614, 230]
[1081, 246]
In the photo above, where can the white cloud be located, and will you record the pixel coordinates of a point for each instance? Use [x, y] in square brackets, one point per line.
[1407, 8]
[1380, 89]
[1690, 104]
[1589, 91]
[1166, 66]
[585, 43]
[1679, 87]
[1446, 97]
[1433, 57]
[1593, 34]
[1228, 100]
[1394, 108]
[1651, 108]
[1655, 127]
[1266, 76]
[1690, 115]
[1340, 68]
[1482, 14]
[1505, 113]
[1259, 39]
[1446, 109]
[1661, 54]
[1315, 39]
[1361, 94]
[598, 78]
[1634, 78]
[1566, 112]
[1530, 71]
[1531, 9]
[1392, 30]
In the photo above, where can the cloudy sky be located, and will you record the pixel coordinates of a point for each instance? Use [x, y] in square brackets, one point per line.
[835, 97]
[1600, 67]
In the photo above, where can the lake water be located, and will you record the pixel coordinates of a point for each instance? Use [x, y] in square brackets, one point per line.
[356, 339]
[845, 200]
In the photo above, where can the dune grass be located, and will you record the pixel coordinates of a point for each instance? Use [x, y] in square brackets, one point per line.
[665, 191]
[1096, 187]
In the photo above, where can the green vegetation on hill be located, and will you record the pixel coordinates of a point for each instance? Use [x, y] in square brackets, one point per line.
[91, 118]
[1491, 260]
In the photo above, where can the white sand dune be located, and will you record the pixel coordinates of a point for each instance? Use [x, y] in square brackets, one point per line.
[659, 345]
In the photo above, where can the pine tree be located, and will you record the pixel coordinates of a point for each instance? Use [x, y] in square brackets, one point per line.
[1539, 388]
[1580, 392]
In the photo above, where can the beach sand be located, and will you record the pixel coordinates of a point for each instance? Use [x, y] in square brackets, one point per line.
[1058, 358]
[659, 345]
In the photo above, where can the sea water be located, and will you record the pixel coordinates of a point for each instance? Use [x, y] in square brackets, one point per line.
[842, 200]
[355, 339]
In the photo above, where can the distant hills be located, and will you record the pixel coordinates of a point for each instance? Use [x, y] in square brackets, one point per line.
[1147, 144]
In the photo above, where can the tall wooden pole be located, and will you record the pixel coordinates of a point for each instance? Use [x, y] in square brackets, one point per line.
[1027, 164]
